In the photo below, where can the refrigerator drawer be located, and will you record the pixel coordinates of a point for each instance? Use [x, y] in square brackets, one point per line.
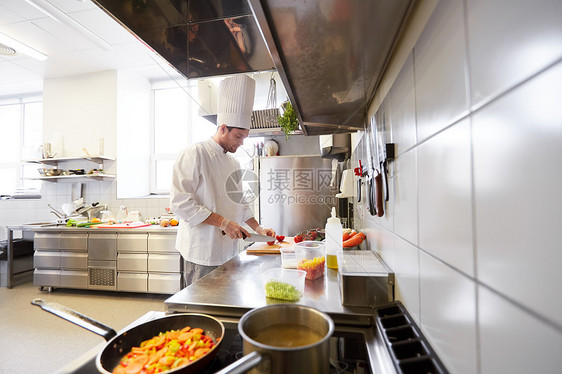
[132, 242]
[164, 283]
[46, 259]
[132, 262]
[102, 247]
[74, 278]
[132, 282]
[165, 263]
[162, 242]
[74, 260]
[44, 241]
[74, 242]
[49, 278]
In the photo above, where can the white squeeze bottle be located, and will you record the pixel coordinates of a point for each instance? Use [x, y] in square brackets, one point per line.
[334, 240]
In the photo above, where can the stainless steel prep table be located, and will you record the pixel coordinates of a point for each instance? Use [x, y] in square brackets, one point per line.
[236, 287]
[34, 228]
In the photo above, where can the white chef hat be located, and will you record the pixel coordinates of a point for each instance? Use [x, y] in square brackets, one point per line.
[236, 101]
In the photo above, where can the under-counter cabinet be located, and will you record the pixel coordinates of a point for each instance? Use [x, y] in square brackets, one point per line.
[103, 260]
[132, 262]
[164, 269]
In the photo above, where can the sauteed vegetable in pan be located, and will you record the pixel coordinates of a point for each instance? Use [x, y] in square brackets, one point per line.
[159, 344]
[166, 351]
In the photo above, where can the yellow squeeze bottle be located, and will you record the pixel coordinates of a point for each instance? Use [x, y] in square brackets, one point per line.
[334, 240]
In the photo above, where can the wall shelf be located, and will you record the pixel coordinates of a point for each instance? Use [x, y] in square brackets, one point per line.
[73, 177]
[55, 161]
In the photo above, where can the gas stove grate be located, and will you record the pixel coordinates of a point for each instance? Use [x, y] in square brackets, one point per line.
[410, 351]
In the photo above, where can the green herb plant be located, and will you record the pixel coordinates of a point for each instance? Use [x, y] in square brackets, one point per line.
[288, 121]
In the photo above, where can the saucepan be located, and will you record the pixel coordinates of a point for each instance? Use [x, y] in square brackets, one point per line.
[119, 344]
[284, 338]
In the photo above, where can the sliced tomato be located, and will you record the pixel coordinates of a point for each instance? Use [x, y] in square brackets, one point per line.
[271, 243]
[280, 238]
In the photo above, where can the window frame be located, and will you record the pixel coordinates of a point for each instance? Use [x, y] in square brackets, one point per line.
[19, 164]
[156, 157]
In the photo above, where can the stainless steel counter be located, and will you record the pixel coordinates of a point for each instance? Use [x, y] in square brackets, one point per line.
[50, 280]
[62, 228]
[236, 287]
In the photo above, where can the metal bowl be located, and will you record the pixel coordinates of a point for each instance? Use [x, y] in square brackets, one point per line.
[50, 172]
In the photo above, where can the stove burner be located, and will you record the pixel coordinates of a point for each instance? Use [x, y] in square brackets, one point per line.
[347, 353]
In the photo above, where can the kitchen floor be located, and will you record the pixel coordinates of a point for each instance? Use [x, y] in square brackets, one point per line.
[35, 341]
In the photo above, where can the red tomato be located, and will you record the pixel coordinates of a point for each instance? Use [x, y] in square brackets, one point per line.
[280, 238]
[270, 243]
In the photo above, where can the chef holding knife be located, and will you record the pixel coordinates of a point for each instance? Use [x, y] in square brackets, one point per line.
[209, 219]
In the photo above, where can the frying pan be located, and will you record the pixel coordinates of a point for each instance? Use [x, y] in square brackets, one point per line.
[119, 344]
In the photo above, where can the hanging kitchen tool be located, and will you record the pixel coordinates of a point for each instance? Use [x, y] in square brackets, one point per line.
[380, 134]
[372, 172]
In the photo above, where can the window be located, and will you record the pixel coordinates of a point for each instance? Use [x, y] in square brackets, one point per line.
[176, 125]
[21, 127]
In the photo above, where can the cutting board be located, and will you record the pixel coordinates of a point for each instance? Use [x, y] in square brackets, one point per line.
[264, 248]
[132, 225]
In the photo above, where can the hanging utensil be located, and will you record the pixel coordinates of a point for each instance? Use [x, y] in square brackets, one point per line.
[371, 170]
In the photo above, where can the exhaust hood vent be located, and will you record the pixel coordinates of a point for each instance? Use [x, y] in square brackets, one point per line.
[331, 55]
[200, 38]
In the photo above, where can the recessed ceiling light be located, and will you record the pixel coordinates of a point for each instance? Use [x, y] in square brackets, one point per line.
[19, 47]
[6, 50]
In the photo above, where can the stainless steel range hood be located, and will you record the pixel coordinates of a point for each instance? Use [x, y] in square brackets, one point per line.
[330, 54]
[200, 38]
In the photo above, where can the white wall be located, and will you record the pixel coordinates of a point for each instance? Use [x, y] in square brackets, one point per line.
[80, 110]
[472, 226]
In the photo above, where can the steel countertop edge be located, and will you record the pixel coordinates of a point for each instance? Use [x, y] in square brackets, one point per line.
[56, 227]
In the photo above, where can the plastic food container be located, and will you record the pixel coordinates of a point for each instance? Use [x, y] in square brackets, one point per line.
[288, 257]
[284, 284]
[311, 258]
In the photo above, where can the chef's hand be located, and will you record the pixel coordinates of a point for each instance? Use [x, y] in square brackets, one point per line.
[235, 231]
[265, 231]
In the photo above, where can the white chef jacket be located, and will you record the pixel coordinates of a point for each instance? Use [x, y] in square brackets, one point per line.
[198, 189]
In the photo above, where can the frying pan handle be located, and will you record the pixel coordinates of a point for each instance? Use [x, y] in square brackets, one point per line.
[241, 366]
[76, 318]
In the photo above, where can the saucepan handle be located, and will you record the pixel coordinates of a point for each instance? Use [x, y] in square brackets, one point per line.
[250, 361]
[76, 318]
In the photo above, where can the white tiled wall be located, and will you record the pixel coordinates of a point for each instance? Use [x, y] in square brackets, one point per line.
[476, 115]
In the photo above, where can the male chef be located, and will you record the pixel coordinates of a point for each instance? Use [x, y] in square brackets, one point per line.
[210, 220]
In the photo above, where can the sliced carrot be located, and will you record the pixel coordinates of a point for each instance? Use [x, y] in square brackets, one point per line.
[355, 240]
[200, 352]
[185, 329]
[185, 336]
[136, 364]
[166, 360]
[197, 331]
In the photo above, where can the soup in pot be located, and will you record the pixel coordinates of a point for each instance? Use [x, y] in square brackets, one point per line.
[287, 335]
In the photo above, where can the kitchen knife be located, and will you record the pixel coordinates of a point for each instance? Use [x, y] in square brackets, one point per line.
[256, 237]
[259, 238]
